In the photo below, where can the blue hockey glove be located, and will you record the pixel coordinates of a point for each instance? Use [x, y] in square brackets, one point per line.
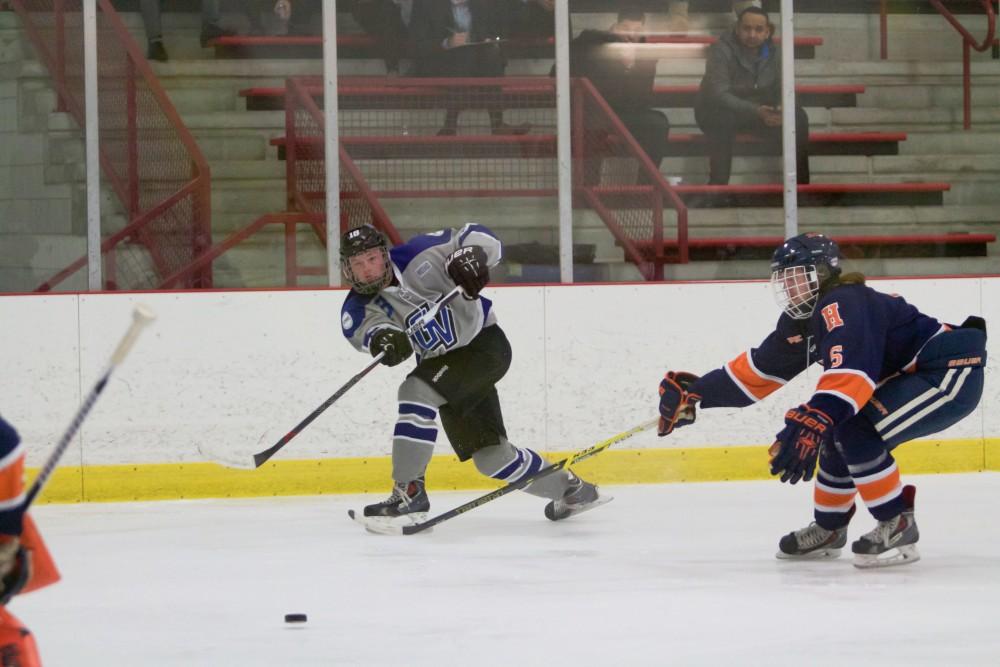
[797, 446]
[677, 402]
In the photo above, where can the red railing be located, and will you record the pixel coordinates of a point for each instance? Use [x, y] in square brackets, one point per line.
[305, 167]
[968, 43]
[306, 192]
[393, 136]
[147, 155]
[616, 178]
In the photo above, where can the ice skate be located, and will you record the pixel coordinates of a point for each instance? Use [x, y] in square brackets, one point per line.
[814, 542]
[892, 542]
[579, 497]
[408, 504]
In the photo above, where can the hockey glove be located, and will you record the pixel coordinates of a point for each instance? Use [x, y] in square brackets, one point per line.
[797, 446]
[394, 343]
[467, 267]
[15, 568]
[677, 402]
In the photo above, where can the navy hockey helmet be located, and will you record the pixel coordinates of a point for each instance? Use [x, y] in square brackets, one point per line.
[365, 277]
[800, 268]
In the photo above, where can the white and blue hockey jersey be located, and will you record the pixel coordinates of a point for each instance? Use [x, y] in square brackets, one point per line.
[421, 279]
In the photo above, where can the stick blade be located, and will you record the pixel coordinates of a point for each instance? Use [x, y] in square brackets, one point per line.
[375, 527]
[226, 459]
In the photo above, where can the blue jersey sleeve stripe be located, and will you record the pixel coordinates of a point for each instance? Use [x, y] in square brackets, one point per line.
[475, 227]
[402, 255]
[353, 313]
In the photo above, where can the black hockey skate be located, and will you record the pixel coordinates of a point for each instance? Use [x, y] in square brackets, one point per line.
[814, 542]
[892, 542]
[580, 496]
[408, 499]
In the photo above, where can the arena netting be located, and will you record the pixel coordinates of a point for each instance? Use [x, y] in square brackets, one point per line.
[147, 156]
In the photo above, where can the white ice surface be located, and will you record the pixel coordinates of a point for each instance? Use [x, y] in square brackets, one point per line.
[677, 574]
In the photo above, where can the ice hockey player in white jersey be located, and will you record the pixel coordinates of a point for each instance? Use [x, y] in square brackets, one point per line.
[461, 355]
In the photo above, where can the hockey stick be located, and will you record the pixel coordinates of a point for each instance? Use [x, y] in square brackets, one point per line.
[593, 450]
[141, 316]
[261, 457]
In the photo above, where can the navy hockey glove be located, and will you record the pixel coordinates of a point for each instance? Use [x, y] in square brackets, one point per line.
[797, 446]
[677, 402]
[15, 568]
[467, 267]
[394, 343]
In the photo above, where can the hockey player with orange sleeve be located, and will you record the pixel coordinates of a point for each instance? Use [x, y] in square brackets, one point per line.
[890, 374]
[25, 563]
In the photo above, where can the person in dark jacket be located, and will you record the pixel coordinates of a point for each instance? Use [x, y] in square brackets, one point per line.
[461, 38]
[623, 73]
[741, 92]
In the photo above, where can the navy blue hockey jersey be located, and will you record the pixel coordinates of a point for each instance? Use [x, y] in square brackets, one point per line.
[861, 336]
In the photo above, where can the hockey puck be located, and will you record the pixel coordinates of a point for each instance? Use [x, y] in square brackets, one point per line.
[295, 618]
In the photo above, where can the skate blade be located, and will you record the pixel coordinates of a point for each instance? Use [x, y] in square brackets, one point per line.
[385, 525]
[899, 556]
[580, 509]
[819, 554]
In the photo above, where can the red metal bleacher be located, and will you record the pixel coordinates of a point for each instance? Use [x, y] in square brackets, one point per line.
[852, 245]
[544, 145]
[269, 98]
[299, 46]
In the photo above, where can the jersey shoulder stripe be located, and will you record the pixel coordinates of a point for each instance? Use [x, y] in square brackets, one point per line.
[402, 255]
[474, 227]
[352, 313]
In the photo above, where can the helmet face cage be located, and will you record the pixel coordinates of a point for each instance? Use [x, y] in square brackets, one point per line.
[357, 242]
[796, 289]
[367, 287]
[799, 269]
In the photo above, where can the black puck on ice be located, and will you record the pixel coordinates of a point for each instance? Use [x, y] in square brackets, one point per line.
[295, 618]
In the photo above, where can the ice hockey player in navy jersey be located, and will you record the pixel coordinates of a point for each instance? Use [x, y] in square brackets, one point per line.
[890, 374]
[25, 562]
[461, 355]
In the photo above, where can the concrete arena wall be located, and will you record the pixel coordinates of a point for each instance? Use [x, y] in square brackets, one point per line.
[225, 374]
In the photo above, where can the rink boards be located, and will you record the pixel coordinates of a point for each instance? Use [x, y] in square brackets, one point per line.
[229, 373]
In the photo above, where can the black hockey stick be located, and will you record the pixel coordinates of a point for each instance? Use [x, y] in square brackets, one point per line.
[261, 457]
[141, 316]
[389, 529]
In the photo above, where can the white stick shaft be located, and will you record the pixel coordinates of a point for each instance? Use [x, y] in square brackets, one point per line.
[141, 317]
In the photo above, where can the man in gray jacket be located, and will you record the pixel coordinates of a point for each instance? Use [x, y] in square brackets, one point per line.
[741, 92]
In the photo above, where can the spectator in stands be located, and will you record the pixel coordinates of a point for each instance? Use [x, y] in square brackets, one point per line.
[286, 17]
[388, 21]
[462, 38]
[623, 71]
[741, 92]
[677, 13]
[151, 19]
[533, 18]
